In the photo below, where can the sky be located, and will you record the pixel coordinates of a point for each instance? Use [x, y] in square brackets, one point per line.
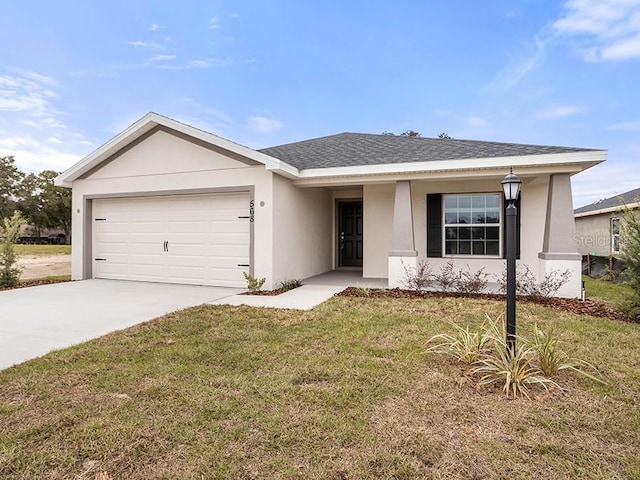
[74, 74]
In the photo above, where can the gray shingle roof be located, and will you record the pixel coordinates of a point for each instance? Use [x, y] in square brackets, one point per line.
[354, 149]
[611, 202]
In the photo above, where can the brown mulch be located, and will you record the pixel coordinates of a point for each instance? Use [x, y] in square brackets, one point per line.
[571, 305]
[32, 283]
[265, 293]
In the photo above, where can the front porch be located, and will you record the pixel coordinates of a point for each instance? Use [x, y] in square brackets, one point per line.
[346, 278]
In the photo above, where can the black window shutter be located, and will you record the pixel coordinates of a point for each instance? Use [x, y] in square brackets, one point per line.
[504, 229]
[434, 225]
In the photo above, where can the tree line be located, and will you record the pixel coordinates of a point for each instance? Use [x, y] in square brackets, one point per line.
[36, 197]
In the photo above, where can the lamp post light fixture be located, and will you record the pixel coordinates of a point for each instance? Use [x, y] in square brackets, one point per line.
[511, 186]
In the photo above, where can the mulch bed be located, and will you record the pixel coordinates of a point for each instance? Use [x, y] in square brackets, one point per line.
[266, 293]
[33, 283]
[572, 305]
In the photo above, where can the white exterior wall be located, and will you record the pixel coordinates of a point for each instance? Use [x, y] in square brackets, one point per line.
[378, 223]
[165, 163]
[378, 205]
[302, 231]
[492, 266]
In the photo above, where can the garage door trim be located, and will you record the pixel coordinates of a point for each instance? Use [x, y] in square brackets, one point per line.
[87, 250]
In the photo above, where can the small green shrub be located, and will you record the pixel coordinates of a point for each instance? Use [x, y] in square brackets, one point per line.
[287, 285]
[9, 274]
[551, 359]
[533, 362]
[253, 283]
[465, 345]
[516, 371]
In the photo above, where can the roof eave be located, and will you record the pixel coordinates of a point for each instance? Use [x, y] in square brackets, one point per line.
[573, 161]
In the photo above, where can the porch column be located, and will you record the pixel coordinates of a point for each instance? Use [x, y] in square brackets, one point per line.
[559, 250]
[403, 254]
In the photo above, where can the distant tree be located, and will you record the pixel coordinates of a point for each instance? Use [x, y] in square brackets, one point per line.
[444, 136]
[407, 133]
[10, 178]
[44, 204]
[410, 133]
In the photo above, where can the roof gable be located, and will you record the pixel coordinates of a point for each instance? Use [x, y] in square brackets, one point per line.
[161, 151]
[145, 127]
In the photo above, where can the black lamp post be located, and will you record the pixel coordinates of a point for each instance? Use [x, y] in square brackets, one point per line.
[511, 186]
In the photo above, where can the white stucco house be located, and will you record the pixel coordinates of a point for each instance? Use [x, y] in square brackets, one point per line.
[167, 202]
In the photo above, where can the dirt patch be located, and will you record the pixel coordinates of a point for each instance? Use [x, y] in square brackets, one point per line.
[572, 305]
[39, 266]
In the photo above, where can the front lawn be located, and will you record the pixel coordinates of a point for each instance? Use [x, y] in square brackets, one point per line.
[42, 249]
[605, 291]
[346, 391]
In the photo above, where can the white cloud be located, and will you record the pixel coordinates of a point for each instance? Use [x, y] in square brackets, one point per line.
[199, 63]
[213, 23]
[163, 58]
[560, 111]
[625, 126]
[598, 182]
[34, 156]
[477, 121]
[155, 27]
[519, 66]
[603, 30]
[31, 127]
[262, 124]
[142, 44]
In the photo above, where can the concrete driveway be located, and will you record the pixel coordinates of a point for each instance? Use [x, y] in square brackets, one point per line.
[36, 320]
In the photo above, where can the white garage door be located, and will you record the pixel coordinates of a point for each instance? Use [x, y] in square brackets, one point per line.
[191, 239]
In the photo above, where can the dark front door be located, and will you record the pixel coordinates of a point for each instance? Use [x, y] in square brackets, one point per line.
[350, 234]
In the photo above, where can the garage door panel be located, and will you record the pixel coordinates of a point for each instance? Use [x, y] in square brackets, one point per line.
[234, 252]
[206, 241]
[156, 227]
[112, 248]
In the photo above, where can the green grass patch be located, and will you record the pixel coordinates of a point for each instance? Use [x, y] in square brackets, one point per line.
[42, 249]
[606, 291]
[344, 391]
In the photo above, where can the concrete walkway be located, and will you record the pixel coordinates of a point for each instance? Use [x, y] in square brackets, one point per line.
[36, 320]
[305, 297]
[313, 292]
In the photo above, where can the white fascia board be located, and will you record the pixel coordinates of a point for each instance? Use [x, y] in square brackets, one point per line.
[617, 208]
[578, 160]
[149, 122]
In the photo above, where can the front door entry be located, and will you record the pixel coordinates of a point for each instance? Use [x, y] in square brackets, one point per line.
[350, 238]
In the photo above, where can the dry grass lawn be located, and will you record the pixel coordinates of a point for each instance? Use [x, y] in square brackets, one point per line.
[343, 392]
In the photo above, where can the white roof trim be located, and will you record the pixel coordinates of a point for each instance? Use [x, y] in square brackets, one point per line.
[617, 208]
[149, 122]
[580, 160]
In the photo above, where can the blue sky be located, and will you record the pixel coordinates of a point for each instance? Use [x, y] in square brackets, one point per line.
[73, 74]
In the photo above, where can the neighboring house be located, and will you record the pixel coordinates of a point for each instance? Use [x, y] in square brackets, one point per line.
[598, 224]
[166, 202]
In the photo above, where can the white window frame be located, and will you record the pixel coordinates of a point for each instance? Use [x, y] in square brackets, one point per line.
[499, 225]
[614, 236]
